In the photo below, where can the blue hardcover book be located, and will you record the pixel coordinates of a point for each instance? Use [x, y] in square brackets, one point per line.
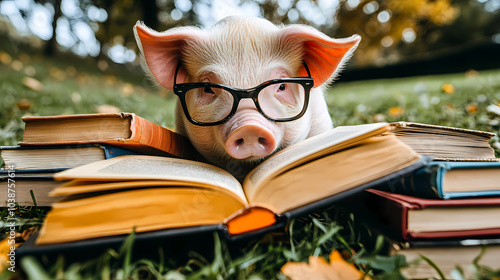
[29, 159]
[450, 179]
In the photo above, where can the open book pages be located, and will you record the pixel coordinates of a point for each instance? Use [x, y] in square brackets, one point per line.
[374, 158]
[170, 171]
[144, 209]
[326, 143]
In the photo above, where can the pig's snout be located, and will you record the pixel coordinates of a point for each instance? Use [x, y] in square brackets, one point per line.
[250, 140]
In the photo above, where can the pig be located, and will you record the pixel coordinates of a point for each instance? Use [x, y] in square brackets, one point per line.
[243, 52]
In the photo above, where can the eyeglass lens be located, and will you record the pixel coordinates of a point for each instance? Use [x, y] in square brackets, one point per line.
[277, 101]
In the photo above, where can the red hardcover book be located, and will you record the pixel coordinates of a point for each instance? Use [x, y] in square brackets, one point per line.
[412, 218]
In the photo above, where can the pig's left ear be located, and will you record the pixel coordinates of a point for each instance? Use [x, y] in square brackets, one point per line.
[162, 51]
[324, 56]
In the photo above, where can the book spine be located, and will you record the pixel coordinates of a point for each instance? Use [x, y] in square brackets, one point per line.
[425, 182]
[152, 139]
[156, 136]
[111, 151]
[391, 215]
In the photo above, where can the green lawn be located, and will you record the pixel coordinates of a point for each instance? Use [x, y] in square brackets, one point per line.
[72, 86]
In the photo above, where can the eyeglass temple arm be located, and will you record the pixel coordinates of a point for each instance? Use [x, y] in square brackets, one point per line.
[307, 69]
[177, 70]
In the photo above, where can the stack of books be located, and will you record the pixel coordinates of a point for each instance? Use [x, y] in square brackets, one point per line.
[55, 143]
[446, 211]
[160, 192]
[164, 197]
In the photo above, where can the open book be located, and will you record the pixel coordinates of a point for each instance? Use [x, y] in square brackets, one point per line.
[149, 193]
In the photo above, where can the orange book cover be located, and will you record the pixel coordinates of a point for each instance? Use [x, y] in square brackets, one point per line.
[125, 130]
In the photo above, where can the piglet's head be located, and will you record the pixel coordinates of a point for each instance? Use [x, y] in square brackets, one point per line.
[244, 53]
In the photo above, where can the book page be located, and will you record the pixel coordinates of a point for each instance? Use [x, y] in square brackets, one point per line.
[132, 167]
[326, 143]
[335, 173]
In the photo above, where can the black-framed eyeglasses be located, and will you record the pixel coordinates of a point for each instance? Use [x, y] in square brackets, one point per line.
[279, 100]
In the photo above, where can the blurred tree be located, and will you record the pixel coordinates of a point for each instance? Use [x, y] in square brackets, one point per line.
[123, 15]
[386, 26]
[391, 29]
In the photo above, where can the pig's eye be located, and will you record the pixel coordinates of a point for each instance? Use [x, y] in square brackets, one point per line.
[208, 90]
[282, 87]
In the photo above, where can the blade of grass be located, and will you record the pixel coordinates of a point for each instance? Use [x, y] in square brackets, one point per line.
[433, 265]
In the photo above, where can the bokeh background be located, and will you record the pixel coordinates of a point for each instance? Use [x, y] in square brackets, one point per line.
[461, 33]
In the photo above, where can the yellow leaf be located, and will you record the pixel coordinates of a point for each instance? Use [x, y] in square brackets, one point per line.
[448, 88]
[319, 269]
[471, 108]
[396, 111]
[6, 247]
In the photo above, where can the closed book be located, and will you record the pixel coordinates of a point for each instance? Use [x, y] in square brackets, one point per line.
[447, 255]
[403, 217]
[125, 130]
[26, 189]
[445, 142]
[57, 157]
[450, 179]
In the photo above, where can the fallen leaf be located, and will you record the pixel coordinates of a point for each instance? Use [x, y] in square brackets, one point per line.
[471, 108]
[319, 269]
[33, 83]
[448, 88]
[6, 246]
[24, 104]
[344, 269]
[107, 109]
[396, 111]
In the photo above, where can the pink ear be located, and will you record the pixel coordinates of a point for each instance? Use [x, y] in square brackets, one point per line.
[162, 51]
[323, 55]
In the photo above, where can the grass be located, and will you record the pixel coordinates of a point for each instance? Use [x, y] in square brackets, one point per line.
[71, 86]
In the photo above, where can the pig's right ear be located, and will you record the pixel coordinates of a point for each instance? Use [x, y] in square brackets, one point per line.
[161, 51]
